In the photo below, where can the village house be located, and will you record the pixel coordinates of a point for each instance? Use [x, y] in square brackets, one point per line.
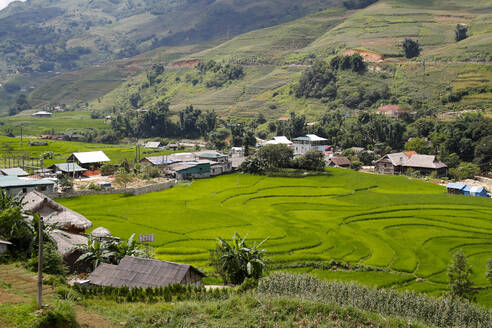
[279, 140]
[14, 185]
[306, 143]
[89, 160]
[14, 172]
[341, 161]
[190, 170]
[202, 164]
[139, 272]
[399, 163]
[393, 111]
[153, 145]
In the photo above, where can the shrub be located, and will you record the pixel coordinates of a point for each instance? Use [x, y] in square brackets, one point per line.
[52, 261]
[62, 316]
[356, 165]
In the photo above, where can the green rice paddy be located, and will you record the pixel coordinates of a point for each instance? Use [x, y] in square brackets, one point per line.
[408, 229]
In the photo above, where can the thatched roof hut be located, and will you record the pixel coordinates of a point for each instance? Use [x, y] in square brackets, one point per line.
[67, 240]
[101, 232]
[53, 212]
[141, 272]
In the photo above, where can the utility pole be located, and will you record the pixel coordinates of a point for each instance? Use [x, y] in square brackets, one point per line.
[40, 262]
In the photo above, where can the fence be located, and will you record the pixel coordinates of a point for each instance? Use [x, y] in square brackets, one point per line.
[135, 191]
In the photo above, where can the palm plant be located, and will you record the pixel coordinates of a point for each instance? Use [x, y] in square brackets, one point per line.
[237, 261]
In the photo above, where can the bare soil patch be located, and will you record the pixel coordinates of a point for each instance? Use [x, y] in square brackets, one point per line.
[368, 56]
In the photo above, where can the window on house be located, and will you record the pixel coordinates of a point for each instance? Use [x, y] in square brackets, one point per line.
[24, 190]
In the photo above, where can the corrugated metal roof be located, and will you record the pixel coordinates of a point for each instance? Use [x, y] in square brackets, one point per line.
[69, 167]
[474, 189]
[152, 144]
[12, 181]
[91, 157]
[14, 171]
[453, 185]
[140, 272]
[314, 137]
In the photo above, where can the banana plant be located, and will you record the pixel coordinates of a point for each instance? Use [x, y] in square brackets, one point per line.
[239, 261]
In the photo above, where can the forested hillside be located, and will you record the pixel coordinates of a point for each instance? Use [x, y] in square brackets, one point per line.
[41, 37]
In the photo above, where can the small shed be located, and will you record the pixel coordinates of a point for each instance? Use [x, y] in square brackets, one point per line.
[455, 188]
[3, 246]
[475, 191]
[141, 272]
[14, 172]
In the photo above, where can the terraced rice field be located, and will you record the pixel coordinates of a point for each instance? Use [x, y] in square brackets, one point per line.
[406, 228]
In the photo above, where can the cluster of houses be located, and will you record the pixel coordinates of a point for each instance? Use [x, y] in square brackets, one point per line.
[202, 164]
[302, 145]
[196, 165]
[395, 163]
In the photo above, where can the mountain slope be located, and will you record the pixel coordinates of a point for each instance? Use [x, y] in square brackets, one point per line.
[275, 57]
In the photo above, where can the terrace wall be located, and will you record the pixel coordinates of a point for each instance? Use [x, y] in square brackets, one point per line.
[135, 191]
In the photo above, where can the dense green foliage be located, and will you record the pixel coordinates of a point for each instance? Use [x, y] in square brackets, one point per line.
[460, 273]
[411, 48]
[108, 251]
[237, 261]
[439, 312]
[461, 32]
[405, 228]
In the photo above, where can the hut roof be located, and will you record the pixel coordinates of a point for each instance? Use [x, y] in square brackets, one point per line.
[140, 272]
[101, 232]
[340, 161]
[67, 240]
[55, 213]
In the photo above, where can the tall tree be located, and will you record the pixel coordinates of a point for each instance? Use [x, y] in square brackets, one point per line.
[411, 48]
[461, 32]
[459, 273]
